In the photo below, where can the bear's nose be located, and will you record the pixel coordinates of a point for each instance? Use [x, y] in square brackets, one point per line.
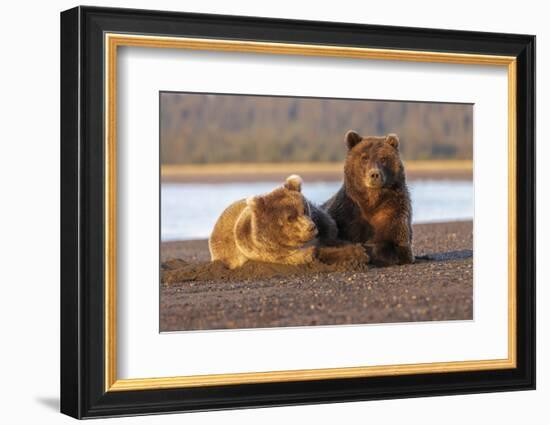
[374, 174]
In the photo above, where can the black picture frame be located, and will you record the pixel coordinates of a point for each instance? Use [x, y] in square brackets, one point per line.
[83, 392]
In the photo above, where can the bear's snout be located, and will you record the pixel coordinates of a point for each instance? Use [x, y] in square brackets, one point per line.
[309, 230]
[374, 174]
[375, 177]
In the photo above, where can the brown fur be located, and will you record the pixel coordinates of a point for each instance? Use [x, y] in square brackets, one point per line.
[270, 228]
[373, 206]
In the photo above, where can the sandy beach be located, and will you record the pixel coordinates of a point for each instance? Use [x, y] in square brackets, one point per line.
[310, 172]
[198, 295]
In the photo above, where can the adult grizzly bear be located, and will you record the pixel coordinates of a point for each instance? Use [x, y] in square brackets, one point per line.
[274, 228]
[373, 206]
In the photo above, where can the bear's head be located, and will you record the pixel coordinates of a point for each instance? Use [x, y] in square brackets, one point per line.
[283, 215]
[373, 163]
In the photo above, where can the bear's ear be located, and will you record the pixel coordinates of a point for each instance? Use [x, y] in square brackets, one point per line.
[393, 140]
[255, 201]
[352, 138]
[294, 182]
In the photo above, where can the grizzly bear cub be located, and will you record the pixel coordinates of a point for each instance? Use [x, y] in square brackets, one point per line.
[373, 206]
[272, 228]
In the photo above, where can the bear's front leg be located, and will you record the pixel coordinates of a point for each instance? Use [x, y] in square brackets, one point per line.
[403, 244]
[385, 254]
[381, 254]
[400, 246]
[404, 254]
[343, 254]
[300, 256]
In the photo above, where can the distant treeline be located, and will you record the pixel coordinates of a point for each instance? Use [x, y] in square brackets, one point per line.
[200, 129]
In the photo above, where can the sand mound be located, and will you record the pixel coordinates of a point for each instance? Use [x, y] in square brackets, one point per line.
[347, 258]
[251, 270]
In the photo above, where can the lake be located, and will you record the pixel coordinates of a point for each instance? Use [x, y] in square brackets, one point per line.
[190, 210]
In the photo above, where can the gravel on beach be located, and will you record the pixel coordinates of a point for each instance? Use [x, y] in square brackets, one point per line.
[198, 295]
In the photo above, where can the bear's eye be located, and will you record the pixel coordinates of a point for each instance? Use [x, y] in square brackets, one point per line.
[292, 217]
[365, 157]
[383, 161]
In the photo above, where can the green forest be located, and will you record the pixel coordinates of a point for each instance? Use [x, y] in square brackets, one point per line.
[204, 129]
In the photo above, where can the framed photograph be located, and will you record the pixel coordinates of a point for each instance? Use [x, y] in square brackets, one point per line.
[260, 212]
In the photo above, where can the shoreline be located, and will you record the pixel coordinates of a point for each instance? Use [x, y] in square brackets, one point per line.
[199, 295]
[313, 172]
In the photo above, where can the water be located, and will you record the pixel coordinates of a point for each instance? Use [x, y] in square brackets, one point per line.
[190, 210]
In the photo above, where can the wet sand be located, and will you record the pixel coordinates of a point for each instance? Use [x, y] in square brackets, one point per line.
[198, 295]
